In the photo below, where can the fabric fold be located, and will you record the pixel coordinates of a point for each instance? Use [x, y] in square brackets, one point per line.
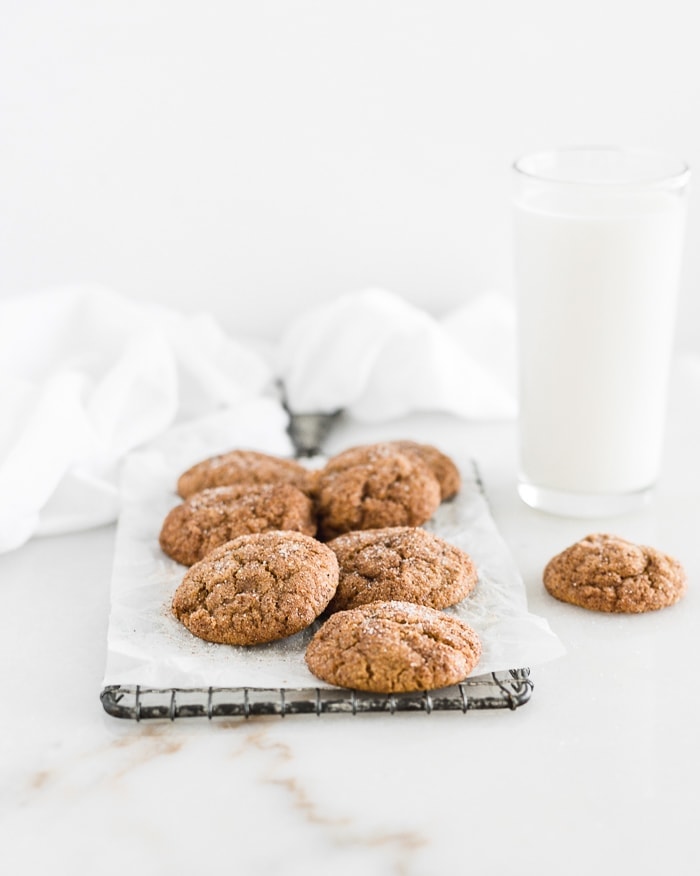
[379, 357]
[87, 376]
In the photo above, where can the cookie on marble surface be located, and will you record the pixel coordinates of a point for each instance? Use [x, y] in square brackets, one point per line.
[401, 563]
[243, 467]
[393, 647]
[257, 588]
[603, 572]
[212, 517]
[373, 487]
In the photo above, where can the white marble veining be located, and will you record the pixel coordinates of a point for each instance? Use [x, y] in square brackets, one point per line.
[599, 772]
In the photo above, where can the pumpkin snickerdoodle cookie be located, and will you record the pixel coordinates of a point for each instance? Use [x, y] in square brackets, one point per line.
[372, 487]
[217, 515]
[605, 573]
[400, 563]
[243, 467]
[441, 465]
[257, 588]
[393, 647]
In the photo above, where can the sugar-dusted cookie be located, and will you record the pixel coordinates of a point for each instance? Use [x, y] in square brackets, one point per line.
[217, 515]
[400, 563]
[393, 647]
[373, 487]
[257, 588]
[243, 467]
[441, 465]
[606, 573]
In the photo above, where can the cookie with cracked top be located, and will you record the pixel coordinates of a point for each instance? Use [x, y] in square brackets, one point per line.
[244, 467]
[257, 588]
[372, 487]
[603, 572]
[212, 517]
[441, 465]
[401, 563]
[393, 647]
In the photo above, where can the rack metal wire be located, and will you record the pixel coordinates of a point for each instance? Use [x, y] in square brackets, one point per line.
[499, 690]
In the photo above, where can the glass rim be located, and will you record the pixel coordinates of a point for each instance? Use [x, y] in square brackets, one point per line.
[675, 179]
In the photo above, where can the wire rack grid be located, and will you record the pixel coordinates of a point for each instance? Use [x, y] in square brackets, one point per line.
[498, 690]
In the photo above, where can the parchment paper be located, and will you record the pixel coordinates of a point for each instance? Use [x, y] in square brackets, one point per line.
[149, 647]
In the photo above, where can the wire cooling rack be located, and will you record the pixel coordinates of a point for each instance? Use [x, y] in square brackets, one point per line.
[499, 690]
[508, 689]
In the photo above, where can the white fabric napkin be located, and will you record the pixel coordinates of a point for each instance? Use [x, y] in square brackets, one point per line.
[379, 357]
[87, 375]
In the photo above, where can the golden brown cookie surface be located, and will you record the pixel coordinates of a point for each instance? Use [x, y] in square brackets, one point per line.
[373, 487]
[257, 588]
[602, 572]
[243, 467]
[441, 465]
[402, 563]
[212, 517]
[393, 647]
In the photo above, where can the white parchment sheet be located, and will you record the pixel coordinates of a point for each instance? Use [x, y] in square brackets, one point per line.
[149, 647]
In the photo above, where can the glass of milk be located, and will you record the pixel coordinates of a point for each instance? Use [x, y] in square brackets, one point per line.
[598, 243]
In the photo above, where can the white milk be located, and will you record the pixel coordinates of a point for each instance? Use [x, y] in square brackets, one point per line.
[597, 286]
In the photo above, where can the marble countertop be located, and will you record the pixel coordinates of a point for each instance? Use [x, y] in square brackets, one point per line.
[599, 772]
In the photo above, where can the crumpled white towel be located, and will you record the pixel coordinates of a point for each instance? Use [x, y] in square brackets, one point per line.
[87, 375]
[379, 357]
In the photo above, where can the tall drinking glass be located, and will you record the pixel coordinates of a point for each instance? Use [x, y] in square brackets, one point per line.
[598, 242]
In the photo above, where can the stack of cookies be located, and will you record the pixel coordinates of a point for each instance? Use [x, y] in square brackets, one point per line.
[272, 546]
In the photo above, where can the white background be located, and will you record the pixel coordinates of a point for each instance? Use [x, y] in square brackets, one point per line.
[253, 158]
